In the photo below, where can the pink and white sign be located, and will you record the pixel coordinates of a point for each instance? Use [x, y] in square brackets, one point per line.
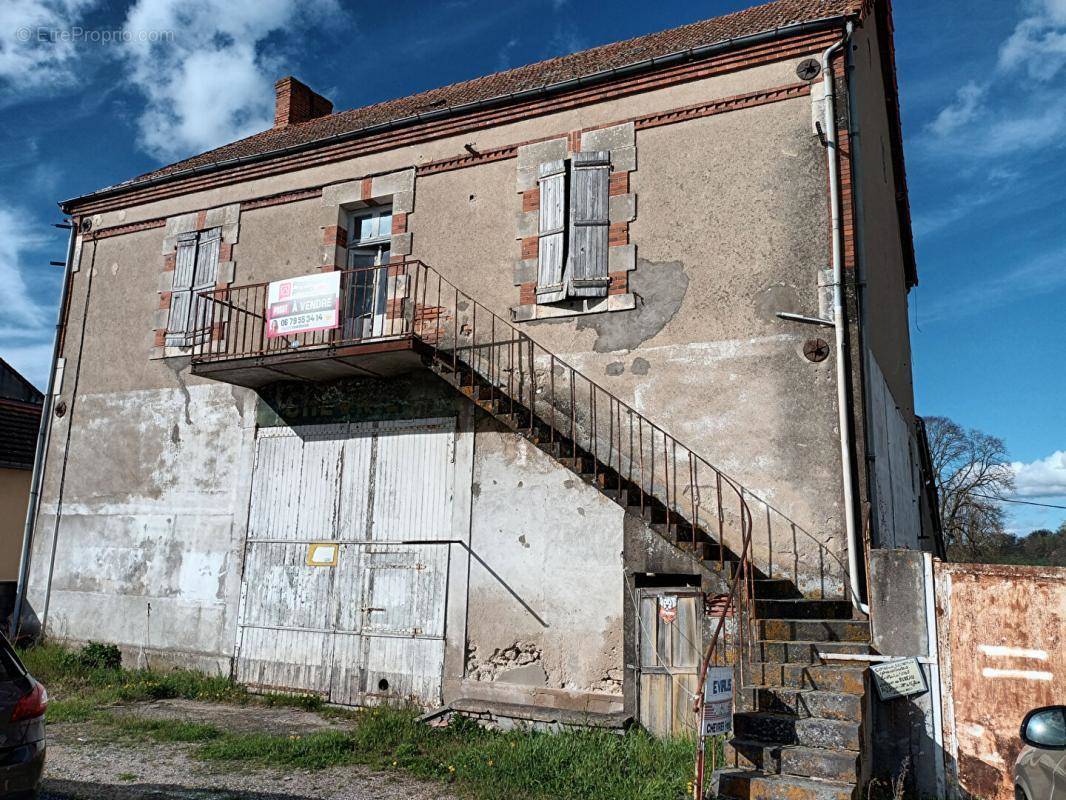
[304, 304]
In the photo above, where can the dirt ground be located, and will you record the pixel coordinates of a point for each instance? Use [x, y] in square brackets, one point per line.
[86, 761]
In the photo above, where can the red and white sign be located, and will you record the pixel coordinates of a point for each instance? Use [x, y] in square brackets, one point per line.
[304, 304]
[668, 608]
[717, 702]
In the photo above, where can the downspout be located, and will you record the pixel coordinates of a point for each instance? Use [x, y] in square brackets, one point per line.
[43, 433]
[843, 400]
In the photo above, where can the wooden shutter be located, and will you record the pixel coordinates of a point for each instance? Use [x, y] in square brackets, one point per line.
[181, 288]
[589, 224]
[551, 252]
[204, 279]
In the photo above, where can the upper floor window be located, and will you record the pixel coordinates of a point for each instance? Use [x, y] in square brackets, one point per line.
[366, 289]
[574, 227]
[369, 237]
[195, 271]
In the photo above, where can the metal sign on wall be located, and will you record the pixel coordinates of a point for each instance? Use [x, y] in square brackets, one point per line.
[899, 678]
[717, 702]
[304, 304]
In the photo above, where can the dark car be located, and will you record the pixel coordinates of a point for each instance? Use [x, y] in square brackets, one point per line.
[22, 704]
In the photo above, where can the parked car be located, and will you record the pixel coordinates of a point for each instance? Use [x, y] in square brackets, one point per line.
[23, 701]
[1040, 771]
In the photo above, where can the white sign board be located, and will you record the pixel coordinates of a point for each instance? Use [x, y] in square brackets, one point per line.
[717, 702]
[304, 304]
[899, 678]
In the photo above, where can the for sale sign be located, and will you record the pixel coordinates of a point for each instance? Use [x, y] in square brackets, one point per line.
[304, 304]
[717, 702]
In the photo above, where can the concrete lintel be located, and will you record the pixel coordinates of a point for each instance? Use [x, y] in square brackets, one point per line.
[532, 155]
[612, 138]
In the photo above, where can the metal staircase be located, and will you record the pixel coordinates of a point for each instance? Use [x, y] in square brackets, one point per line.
[798, 721]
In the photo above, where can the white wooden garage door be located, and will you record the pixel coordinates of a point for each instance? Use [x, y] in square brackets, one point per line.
[372, 626]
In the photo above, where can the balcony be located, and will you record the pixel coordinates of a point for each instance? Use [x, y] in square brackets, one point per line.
[382, 330]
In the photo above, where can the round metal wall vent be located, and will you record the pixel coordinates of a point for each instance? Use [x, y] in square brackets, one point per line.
[816, 350]
[86, 225]
[61, 408]
[808, 69]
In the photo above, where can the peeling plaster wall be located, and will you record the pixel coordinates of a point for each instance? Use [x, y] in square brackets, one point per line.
[731, 227]
[545, 605]
[154, 508]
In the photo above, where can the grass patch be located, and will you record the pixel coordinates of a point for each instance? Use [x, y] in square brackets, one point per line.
[585, 765]
[164, 730]
[577, 765]
[80, 682]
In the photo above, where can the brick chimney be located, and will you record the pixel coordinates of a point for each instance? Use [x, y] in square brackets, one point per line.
[295, 102]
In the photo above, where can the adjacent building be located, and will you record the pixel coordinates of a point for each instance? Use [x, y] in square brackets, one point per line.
[480, 398]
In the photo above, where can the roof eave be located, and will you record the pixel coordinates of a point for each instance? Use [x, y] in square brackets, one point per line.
[785, 31]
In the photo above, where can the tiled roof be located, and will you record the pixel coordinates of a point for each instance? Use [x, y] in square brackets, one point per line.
[534, 76]
[18, 433]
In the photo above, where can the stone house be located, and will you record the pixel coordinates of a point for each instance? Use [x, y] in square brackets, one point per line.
[490, 398]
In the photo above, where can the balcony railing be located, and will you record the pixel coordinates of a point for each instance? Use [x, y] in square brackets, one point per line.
[375, 305]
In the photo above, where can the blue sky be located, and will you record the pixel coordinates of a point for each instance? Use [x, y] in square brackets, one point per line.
[983, 85]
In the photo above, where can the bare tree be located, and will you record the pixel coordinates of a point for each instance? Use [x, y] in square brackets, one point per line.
[971, 472]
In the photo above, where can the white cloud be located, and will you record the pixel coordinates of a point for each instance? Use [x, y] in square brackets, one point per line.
[212, 81]
[1021, 107]
[961, 112]
[1045, 477]
[1038, 43]
[25, 332]
[19, 308]
[32, 57]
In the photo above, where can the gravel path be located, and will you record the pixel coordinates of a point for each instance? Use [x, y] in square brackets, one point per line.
[86, 762]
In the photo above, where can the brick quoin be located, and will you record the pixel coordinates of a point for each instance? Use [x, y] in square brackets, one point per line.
[618, 234]
[575, 141]
[367, 189]
[530, 246]
[399, 223]
[527, 294]
[619, 283]
[160, 339]
[170, 262]
[619, 184]
[201, 219]
[335, 235]
[531, 199]
[164, 299]
[225, 251]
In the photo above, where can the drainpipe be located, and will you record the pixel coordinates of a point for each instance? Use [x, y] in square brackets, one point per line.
[43, 433]
[843, 404]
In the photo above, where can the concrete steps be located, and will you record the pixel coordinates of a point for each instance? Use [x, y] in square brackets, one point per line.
[814, 630]
[801, 702]
[754, 785]
[848, 678]
[796, 760]
[783, 729]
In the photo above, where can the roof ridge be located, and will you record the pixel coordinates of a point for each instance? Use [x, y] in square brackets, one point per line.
[495, 86]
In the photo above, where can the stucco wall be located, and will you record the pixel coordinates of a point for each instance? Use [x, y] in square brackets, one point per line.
[545, 609]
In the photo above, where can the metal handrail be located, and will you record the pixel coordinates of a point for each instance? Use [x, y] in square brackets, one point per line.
[534, 391]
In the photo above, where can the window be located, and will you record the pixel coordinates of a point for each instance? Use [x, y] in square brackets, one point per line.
[574, 226]
[195, 270]
[366, 296]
